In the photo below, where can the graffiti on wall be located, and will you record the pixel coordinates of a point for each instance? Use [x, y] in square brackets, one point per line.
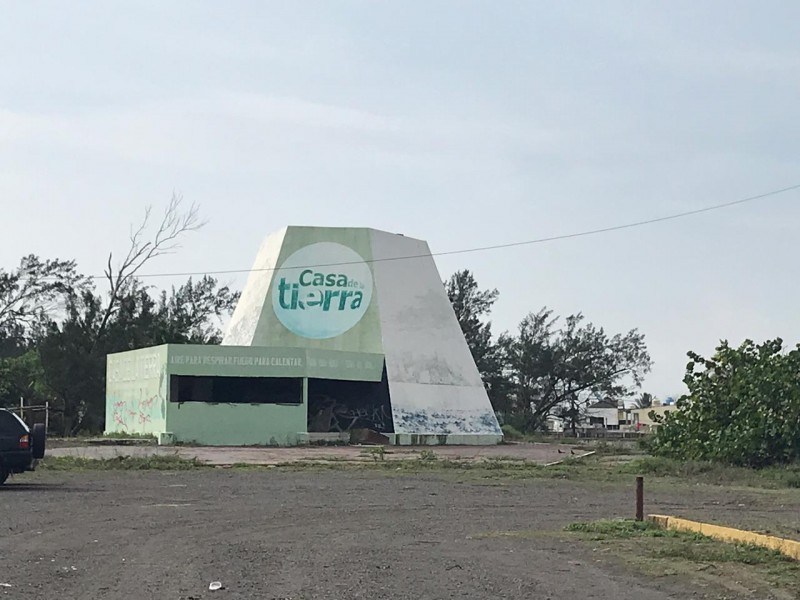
[328, 414]
[136, 391]
[136, 414]
[138, 409]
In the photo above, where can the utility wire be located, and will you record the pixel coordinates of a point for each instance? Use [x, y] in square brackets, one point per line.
[543, 240]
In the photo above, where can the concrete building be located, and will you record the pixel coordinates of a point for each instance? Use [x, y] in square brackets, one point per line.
[554, 424]
[641, 418]
[604, 414]
[337, 330]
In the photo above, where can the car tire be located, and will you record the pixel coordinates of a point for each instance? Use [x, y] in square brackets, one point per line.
[38, 440]
[3, 474]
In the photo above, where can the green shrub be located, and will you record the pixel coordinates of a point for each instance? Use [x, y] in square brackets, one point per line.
[512, 433]
[743, 408]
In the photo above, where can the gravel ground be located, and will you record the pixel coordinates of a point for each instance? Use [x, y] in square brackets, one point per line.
[271, 534]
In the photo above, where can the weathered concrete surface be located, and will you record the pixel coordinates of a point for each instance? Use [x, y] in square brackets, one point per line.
[537, 453]
[434, 385]
[319, 536]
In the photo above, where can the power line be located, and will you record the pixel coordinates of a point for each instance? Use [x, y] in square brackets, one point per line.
[543, 240]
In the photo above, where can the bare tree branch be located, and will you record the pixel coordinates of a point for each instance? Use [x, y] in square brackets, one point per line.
[165, 240]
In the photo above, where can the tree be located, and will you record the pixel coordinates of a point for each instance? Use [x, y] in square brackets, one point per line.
[30, 294]
[743, 407]
[56, 330]
[559, 370]
[73, 349]
[644, 401]
[74, 357]
[192, 313]
[21, 377]
[472, 307]
[164, 240]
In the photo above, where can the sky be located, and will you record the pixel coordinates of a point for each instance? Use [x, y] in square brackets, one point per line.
[464, 123]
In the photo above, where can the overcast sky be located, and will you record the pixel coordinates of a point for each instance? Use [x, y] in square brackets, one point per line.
[462, 123]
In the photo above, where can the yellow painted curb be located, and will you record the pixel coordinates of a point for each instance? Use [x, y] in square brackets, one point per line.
[790, 548]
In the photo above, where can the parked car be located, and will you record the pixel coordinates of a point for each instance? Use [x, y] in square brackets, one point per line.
[20, 446]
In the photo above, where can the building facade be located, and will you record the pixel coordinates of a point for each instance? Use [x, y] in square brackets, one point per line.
[337, 330]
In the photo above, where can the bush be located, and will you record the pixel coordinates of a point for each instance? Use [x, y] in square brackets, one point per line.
[512, 433]
[743, 408]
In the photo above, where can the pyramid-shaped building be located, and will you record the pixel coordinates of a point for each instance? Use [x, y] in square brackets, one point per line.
[365, 291]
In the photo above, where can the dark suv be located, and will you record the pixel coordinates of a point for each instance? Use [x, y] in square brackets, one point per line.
[20, 446]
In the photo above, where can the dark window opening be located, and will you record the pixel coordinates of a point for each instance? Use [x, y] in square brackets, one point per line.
[236, 390]
[341, 406]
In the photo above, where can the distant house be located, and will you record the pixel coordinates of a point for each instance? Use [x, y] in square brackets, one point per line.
[640, 417]
[604, 414]
[554, 424]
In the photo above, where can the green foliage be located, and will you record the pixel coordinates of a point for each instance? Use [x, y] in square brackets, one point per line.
[29, 294]
[22, 377]
[545, 369]
[56, 329]
[73, 351]
[561, 370]
[378, 453]
[696, 548]
[743, 408]
[644, 401]
[716, 473]
[683, 545]
[427, 455]
[472, 307]
[512, 433]
[619, 528]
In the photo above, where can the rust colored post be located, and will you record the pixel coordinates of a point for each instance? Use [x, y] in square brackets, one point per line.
[640, 498]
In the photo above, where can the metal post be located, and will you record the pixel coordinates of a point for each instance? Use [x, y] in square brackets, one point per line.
[22, 408]
[47, 416]
[640, 498]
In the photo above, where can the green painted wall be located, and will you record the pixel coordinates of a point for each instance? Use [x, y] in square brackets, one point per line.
[250, 361]
[136, 391]
[236, 425]
[365, 336]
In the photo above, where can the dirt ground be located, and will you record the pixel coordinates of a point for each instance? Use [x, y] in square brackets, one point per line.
[329, 534]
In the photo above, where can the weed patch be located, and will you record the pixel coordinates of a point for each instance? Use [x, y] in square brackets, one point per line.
[620, 528]
[716, 473]
[120, 463]
[656, 551]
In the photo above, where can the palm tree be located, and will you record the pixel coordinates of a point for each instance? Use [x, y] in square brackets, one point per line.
[644, 401]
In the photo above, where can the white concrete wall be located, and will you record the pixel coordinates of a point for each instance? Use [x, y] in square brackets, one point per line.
[610, 416]
[434, 385]
[244, 321]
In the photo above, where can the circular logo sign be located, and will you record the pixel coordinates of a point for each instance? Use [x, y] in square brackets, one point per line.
[322, 290]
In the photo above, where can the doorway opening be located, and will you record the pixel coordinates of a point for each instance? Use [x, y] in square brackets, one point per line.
[336, 406]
